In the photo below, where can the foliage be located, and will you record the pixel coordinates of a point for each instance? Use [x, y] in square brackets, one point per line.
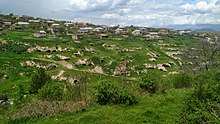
[108, 93]
[203, 57]
[51, 91]
[202, 105]
[183, 80]
[149, 83]
[39, 80]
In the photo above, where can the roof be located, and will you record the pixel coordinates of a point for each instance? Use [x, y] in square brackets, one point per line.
[42, 32]
[34, 21]
[86, 28]
[153, 33]
[23, 23]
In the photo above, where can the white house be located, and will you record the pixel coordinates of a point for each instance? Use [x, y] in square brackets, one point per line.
[136, 33]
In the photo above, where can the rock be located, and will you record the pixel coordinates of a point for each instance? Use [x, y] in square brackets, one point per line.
[152, 60]
[97, 69]
[85, 62]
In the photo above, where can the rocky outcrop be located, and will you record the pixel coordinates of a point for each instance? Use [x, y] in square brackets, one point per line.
[97, 69]
[34, 64]
[122, 69]
[84, 62]
[47, 49]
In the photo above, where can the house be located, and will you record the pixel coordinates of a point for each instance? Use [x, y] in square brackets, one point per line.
[16, 27]
[151, 35]
[40, 34]
[98, 29]
[163, 31]
[34, 21]
[68, 24]
[102, 36]
[136, 33]
[50, 23]
[55, 25]
[7, 24]
[185, 32]
[85, 29]
[119, 31]
[143, 30]
[23, 23]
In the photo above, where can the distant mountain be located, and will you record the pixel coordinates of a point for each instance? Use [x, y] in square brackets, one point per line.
[205, 30]
[198, 27]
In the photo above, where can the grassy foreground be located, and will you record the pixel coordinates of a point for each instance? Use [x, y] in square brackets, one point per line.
[158, 108]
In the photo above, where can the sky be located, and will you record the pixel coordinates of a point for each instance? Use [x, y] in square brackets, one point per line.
[122, 12]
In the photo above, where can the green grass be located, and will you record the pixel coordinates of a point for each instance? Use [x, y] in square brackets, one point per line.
[157, 108]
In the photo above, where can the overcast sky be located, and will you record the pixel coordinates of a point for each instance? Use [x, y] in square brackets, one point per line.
[123, 12]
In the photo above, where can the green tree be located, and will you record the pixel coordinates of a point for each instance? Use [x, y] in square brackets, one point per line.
[39, 80]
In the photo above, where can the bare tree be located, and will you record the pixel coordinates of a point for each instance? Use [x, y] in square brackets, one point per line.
[204, 56]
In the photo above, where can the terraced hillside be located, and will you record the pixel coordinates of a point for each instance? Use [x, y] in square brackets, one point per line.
[114, 59]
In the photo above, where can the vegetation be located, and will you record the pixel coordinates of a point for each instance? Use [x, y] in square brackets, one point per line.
[120, 79]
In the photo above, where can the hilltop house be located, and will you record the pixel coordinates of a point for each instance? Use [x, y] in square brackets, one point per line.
[151, 35]
[136, 33]
[50, 23]
[40, 34]
[34, 21]
[16, 27]
[102, 36]
[7, 24]
[98, 29]
[143, 31]
[85, 29]
[185, 32]
[55, 25]
[119, 31]
[163, 31]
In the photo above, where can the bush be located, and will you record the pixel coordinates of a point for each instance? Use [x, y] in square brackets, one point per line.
[108, 93]
[183, 80]
[202, 105]
[51, 91]
[149, 83]
[39, 80]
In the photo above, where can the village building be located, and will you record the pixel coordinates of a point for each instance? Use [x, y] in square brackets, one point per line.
[7, 24]
[98, 29]
[151, 35]
[16, 27]
[136, 33]
[85, 29]
[102, 36]
[164, 31]
[50, 23]
[143, 31]
[185, 32]
[55, 25]
[68, 24]
[34, 21]
[119, 31]
[40, 34]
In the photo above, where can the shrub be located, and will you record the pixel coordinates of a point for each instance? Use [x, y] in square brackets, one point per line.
[108, 93]
[149, 83]
[183, 80]
[51, 91]
[202, 105]
[39, 80]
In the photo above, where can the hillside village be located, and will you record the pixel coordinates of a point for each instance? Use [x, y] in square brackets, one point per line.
[70, 50]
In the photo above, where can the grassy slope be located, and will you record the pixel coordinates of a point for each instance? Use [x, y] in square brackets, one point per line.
[158, 108]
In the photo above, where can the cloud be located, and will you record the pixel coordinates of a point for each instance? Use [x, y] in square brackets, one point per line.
[114, 12]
